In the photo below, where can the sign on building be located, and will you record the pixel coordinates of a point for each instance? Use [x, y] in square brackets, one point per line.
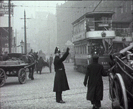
[4, 9]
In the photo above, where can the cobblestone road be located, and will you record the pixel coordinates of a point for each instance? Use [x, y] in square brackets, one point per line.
[38, 94]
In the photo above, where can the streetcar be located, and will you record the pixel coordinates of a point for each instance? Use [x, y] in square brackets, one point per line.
[92, 34]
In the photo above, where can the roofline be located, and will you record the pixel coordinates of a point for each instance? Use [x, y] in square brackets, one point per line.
[93, 13]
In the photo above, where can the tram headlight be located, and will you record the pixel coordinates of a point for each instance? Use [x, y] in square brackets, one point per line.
[89, 56]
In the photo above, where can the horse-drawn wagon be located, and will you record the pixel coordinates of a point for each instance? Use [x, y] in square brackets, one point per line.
[16, 66]
[121, 79]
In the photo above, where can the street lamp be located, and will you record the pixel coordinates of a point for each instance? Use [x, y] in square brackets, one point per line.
[22, 44]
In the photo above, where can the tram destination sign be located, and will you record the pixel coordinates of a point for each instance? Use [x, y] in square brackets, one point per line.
[79, 36]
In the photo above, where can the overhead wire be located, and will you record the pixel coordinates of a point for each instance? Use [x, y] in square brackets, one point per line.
[97, 6]
[64, 7]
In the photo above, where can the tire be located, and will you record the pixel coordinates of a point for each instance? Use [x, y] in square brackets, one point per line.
[119, 92]
[2, 77]
[22, 76]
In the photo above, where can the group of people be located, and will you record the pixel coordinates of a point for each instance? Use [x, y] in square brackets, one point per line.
[93, 79]
[42, 63]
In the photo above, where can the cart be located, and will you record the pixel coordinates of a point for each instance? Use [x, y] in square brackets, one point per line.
[12, 70]
[13, 67]
[121, 79]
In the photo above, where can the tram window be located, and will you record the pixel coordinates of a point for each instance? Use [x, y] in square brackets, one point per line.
[83, 50]
[89, 49]
[80, 49]
[89, 24]
[76, 50]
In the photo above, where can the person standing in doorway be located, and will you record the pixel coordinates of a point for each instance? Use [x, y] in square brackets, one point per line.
[93, 77]
[60, 81]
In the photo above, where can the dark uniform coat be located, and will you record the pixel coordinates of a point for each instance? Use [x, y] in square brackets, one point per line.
[95, 83]
[60, 81]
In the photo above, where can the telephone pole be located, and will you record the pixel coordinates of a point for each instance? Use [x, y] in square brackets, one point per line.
[9, 18]
[25, 37]
[132, 18]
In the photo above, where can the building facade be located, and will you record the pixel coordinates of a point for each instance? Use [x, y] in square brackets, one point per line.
[4, 27]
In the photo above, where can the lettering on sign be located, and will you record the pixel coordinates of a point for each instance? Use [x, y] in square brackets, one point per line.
[4, 8]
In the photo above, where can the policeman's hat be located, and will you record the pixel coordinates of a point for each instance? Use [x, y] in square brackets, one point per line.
[57, 50]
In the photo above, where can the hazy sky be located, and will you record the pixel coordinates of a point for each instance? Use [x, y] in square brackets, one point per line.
[30, 7]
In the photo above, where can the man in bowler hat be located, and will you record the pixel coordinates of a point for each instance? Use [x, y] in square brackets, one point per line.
[60, 81]
[93, 77]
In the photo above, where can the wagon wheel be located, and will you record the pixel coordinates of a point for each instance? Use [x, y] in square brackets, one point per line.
[111, 86]
[119, 92]
[2, 77]
[22, 76]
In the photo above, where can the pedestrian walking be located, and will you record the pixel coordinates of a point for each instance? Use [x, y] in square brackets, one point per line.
[39, 65]
[51, 61]
[93, 77]
[60, 81]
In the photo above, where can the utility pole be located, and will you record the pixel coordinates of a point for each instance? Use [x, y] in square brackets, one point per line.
[15, 42]
[132, 17]
[0, 42]
[25, 37]
[9, 18]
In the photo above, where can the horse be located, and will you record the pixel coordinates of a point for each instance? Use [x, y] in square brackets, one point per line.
[31, 59]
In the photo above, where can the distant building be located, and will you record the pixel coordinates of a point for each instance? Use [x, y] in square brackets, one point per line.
[4, 27]
[43, 31]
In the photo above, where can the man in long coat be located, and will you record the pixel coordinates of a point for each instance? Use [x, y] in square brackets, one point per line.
[40, 65]
[60, 81]
[51, 61]
[93, 77]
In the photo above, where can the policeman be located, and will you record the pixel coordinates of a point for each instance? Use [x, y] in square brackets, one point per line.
[60, 81]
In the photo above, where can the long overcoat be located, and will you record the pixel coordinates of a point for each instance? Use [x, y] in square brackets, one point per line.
[60, 81]
[93, 77]
[40, 64]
